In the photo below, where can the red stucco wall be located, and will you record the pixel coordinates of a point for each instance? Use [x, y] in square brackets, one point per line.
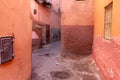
[106, 52]
[50, 16]
[15, 18]
[77, 26]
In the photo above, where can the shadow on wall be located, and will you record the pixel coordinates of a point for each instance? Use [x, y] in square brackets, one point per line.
[55, 34]
[43, 35]
[36, 36]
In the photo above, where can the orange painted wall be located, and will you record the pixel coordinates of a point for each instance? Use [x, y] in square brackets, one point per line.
[99, 17]
[116, 18]
[15, 18]
[106, 52]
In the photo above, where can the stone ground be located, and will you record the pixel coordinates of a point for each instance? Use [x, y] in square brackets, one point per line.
[48, 65]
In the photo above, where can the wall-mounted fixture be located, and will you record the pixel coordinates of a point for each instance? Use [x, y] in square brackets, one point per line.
[6, 49]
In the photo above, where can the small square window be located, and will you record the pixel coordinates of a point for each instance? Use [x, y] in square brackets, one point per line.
[35, 11]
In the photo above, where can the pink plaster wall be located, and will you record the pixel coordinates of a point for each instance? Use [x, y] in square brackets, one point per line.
[48, 16]
[33, 6]
[77, 26]
[76, 12]
[51, 17]
[106, 55]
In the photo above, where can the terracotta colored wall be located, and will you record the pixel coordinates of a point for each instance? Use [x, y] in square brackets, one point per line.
[36, 38]
[77, 26]
[34, 5]
[48, 16]
[52, 17]
[15, 18]
[106, 52]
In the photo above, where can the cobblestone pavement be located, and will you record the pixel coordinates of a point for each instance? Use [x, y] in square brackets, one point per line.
[48, 65]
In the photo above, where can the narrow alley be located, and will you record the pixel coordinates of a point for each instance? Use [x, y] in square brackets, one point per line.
[49, 65]
[59, 39]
